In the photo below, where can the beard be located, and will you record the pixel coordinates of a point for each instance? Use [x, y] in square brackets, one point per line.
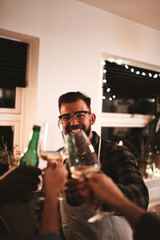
[88, 130]
[78, 126]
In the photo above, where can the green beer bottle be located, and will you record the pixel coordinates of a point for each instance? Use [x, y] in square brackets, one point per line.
[30, 157]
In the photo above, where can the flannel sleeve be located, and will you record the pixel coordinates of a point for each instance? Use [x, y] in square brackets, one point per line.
[120, 164]
[128, 177]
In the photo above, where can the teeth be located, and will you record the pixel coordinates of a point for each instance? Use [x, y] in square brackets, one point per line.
[76, 131]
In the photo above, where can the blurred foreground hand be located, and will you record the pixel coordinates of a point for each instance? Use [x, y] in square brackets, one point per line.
[18, 184]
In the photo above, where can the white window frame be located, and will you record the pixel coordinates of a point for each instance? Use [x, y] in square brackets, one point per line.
[23, 116]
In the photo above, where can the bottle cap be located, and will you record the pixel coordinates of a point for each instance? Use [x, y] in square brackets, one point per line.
[36, 128]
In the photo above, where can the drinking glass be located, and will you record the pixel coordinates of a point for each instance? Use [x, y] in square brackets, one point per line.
[47, 149]
[83, 162]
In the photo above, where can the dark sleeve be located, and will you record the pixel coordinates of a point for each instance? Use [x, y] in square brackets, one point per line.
[122, 168]
[148, 227]
[46, 236]
[130, 179]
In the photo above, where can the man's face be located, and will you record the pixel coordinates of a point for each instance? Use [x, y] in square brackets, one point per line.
[81, 122]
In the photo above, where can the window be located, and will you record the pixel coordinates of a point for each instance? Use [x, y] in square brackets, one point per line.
[129, 89]
[130, 98]
[18, 103]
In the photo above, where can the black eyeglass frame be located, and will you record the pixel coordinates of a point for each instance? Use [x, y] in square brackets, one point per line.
[72, 114]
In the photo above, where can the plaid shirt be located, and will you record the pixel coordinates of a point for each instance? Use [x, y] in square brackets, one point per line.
[119, 164]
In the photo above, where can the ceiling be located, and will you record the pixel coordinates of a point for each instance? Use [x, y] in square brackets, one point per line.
[146, 12]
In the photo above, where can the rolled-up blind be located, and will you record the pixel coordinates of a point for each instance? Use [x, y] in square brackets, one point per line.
[129, 81]
[13, 59]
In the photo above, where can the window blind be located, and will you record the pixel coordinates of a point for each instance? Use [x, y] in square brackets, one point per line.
[129, 81]
[13, 59]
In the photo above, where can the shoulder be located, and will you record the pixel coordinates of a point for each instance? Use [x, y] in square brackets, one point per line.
[113, 147]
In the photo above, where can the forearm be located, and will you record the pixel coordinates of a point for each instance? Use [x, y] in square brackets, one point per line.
[124, 206]
[49, 222]
[130, 211]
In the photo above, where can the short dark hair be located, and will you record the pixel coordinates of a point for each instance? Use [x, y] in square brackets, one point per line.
[70, 97]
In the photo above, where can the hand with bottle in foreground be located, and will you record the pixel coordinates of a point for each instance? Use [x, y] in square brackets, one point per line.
[18, 184]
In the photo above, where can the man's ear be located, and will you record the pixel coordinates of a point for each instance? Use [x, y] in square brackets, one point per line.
[93, 118]
[60, 125]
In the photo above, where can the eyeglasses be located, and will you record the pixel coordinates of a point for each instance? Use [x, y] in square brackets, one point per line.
[80, 115]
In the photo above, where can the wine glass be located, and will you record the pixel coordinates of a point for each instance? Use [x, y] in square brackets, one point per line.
[83, 162]
[47, 149]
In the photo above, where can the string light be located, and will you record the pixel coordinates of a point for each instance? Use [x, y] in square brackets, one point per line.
[126, 66]
[130, 68]
[155, 75]
[119, 62]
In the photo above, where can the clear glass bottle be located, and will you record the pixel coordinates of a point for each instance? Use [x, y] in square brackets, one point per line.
[30, 157]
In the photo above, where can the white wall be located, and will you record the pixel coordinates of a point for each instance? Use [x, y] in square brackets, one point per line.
[73, 37]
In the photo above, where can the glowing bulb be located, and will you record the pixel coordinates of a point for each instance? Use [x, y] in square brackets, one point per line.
[132, 69]
[110, 99]
[150, 74]
[143, 73]
[114, 96]
[104, 80]
[155, 75]
[138, 72]
[104, 70]
[120, 143]
[103, 63]
[108, 90]
[126, 66]
[103, 97]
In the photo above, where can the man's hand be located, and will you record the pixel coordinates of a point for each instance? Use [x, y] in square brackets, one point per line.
[18, 184]
[75, 191]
